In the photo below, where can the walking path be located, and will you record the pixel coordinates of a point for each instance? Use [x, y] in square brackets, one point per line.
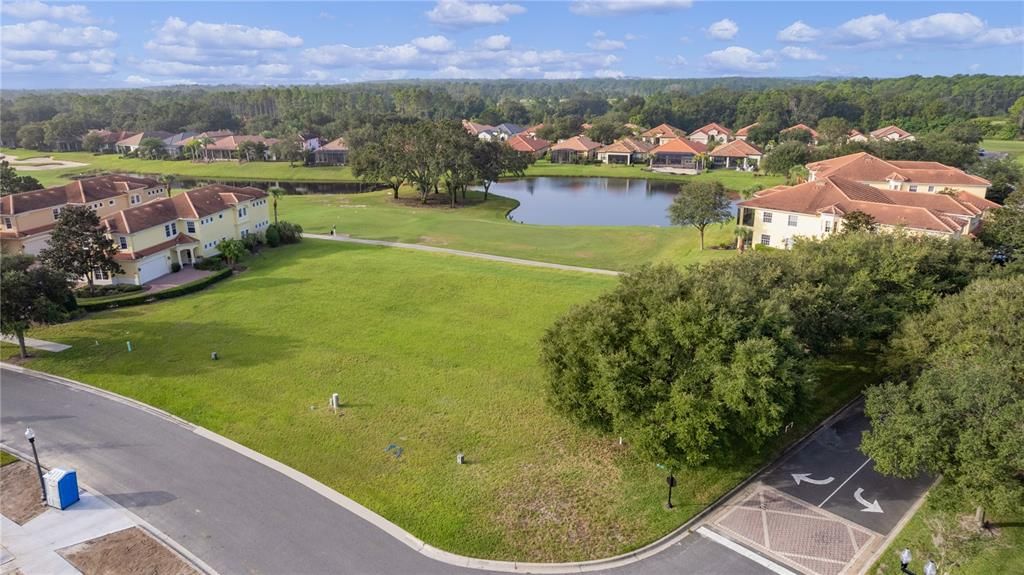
[37, 343]
[465, 254]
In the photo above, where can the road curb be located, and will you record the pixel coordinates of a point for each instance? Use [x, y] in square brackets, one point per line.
[649, 550]
[195, 562]
[898, 528]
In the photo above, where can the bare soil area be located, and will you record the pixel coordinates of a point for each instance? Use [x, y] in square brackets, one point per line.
[130, 551]
[20, 495]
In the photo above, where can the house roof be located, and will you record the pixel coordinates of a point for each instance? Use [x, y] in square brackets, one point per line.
[712, 127]
[534, 129]
[577, 143]
[840, 196]
[82, 191]
[680, 146]
[864, 167]
[736, 149]
[157, 248]
[476, 129]
[663, 130]
[523, 143]
[627, 146]
[854, 133]
[804, 127]
[110, 137]
[883, 132]
[231, 142]
[193, 204]
[745, 130]
[136, 139]
[179, 139]
[510, 129]
[335, 145]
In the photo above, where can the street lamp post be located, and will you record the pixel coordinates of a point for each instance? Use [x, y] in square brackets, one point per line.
[31, 437]
[671, 480]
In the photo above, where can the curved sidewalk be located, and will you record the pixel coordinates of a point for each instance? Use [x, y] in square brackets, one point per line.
[239, 511]
[465, 254]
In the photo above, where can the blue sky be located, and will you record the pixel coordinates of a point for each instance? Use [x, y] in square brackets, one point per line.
[138, 44]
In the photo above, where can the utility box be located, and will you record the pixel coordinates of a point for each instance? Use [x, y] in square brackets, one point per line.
[61, 488]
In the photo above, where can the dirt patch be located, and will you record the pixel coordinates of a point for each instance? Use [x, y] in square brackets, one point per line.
[20, 496]
[128, 552]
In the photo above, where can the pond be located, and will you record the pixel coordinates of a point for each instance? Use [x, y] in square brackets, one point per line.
[299, 188]
[589, 201]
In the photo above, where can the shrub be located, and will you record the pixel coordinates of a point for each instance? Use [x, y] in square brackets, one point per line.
[175, 267]
[290, 233]
[273, 236]
[210, 264]
[106, 290]
[253, 242]
[142, 298]
[231, 250]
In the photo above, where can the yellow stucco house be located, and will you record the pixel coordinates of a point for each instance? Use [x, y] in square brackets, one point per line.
[899, 175]
[27, 218]
[183, 229]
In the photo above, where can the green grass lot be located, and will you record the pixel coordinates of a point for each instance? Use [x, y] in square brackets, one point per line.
[1014, 147]
[997, 554]
[6, 458]
[429, 352]
[482, 227]
[281, 171]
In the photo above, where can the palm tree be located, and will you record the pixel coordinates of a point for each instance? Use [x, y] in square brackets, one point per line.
[168, 180]
[205, 142]
[743, 235]
[192, 148]
[276, 192]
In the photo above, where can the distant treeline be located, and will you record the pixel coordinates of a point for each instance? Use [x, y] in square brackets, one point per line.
[915, 103]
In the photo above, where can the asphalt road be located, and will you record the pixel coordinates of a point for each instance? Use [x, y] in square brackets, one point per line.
[837, 472]
[235, 514]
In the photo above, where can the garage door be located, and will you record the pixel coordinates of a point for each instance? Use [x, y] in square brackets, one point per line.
[154, 268]
[37, 244]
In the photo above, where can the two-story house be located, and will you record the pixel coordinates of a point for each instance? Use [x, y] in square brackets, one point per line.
[712, 131]
[899, 175]
[183, 229]
[27, 218]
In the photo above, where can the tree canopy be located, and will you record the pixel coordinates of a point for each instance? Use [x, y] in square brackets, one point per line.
[32, 295]
[79, 245]
[700, 204]
[11, 182]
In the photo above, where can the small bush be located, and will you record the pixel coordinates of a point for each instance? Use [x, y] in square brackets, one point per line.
[105, 290]
[175, 267]
[142, 298]
[253, 242]
[210, 264]
[290, 233]
[273, 236]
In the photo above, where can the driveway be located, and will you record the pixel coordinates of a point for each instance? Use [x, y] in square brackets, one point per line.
[183, 276]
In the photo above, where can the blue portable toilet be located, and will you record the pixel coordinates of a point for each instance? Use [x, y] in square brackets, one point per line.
[61, 488]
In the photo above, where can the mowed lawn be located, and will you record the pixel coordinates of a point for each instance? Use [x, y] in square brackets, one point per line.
[1014, 147]
[483, 227]
[430, 353]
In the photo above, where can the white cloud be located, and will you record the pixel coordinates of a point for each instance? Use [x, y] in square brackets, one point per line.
[495, 42]
[798, 32]
[605, 7]
[737, 59]
[461, 13]
[606, 45]
[40, 33]
[36, 10]
[1001, 36]
[177, 32]
[607, 73]
[42, 46]
[723, 29]
[436, 43]
[563, 75]
[869, 29]
[54, 61]
[678, 61]
[380, 57]
[800, 53]
[949, 28]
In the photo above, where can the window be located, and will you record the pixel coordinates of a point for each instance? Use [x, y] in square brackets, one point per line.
[123, 241]
[136, 198]
[828, 226]
[913, 188]
[241, 212]
[931, 188]
[110, 203]
[56, 213]
[245, 233]
[766, 240]
[170, 229]
[792, 221]
[894, 184]
[220, 216]
[190, 226]
[100, 274]
[8, 224]
[766, 217]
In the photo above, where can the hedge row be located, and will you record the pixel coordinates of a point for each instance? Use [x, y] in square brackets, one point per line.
[139, 299]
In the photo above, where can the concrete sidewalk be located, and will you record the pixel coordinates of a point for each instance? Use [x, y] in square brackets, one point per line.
[37, 343]
[31, 548]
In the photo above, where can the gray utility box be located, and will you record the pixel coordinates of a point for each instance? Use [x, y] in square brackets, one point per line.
[61, 488]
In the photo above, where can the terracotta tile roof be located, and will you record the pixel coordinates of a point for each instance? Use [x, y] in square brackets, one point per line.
[854, 133]
[534, 129]
[712, 127]
[157, 248]
[745, 130]
[627, 146]
[24, 233]
[523, 143]
[804, 127]
[476, 129]
[883, 132]
[836, 195]
[84, 191]
[136, 139]
[110, 137]
[231, 142]
[577, 143]
[736, 149]
[335, 145]
[680, 146]
[193, 204]
[663, 130]
[864, 167]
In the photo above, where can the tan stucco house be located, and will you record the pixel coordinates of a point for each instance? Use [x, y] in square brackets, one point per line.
[899, 175]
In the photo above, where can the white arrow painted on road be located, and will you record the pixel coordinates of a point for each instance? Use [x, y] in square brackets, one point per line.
[872, 507]
[806, 478]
